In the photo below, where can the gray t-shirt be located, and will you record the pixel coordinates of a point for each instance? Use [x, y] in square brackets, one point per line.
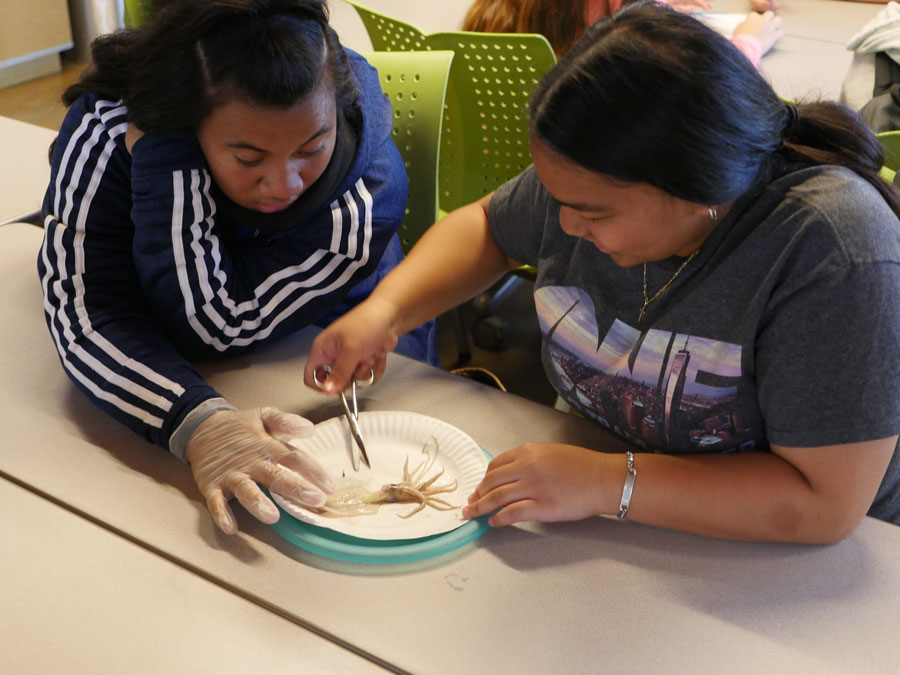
[784, 329]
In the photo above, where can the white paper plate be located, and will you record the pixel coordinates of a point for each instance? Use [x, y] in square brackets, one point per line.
[391, 437]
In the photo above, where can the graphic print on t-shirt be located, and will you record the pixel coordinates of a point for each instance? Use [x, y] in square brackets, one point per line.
[660, 390]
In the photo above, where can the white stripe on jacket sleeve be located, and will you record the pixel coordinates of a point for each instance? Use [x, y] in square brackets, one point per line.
[223, 321]
[89, 358]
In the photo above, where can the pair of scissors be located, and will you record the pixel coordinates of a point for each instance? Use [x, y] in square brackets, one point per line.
[359, 448]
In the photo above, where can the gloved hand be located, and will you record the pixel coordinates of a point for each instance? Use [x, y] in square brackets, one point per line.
[233, 450]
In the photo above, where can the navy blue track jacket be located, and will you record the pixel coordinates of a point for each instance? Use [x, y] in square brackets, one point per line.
[140, 270]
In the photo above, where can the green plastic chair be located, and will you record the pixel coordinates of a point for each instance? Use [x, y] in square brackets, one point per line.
[890, 143]
[484, 138]
[416, 85]
[137, 12]
[415, 82]
[484, 141]
[389, 34]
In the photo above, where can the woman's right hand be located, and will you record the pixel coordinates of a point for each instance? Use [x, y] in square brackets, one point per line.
[132, 134]
[352, 345]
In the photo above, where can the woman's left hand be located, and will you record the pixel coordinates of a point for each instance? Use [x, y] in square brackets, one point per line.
[132, 134]
[547, 482]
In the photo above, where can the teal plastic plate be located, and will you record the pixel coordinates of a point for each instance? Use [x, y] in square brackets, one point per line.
[337, 546]
[331, 544]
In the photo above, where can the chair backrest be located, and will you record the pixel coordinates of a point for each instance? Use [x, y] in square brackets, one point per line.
[388, 34]
[416, 85]
[485, 136]
[136, 12]
[890, 143]
[484, 140]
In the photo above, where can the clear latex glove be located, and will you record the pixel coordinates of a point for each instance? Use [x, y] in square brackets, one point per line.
[232, 451]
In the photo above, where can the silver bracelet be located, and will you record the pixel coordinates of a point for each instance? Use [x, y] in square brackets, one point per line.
[629, 485]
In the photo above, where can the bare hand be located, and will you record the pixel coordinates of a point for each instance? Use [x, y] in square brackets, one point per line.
[132, 134]
[547, 482]
[352, 345]
[765, 27]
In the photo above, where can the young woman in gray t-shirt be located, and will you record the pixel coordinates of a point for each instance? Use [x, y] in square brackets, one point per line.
[717, 284]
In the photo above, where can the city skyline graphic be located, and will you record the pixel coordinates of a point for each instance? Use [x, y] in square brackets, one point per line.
[659, 389]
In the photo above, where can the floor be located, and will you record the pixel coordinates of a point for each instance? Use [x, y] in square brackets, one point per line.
[515, 360]
[38, 101]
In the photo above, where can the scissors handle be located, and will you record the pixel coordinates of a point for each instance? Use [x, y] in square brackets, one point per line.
[320, 383]
[351, 415]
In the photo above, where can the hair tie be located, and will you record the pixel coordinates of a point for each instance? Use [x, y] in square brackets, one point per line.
[792, 117]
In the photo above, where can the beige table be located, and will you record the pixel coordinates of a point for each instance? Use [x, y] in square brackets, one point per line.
[79, 600]
[834, 21]
[806, 70]
[24, 168]
[593, 596]
[811, 60]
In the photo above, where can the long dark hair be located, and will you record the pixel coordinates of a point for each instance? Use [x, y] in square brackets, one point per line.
[197, 54]
[651, 95]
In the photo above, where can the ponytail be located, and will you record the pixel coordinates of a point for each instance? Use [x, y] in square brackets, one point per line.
[825, 132]
[653, 96]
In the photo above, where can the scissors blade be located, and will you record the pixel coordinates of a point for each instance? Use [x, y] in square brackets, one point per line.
[359, 447]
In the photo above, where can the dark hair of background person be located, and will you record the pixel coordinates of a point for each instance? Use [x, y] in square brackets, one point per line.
[650, 95]
[195, 55]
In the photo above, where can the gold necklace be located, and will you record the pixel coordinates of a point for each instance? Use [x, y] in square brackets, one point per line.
[662, 290]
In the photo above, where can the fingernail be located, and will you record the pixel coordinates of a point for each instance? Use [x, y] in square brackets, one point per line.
[295, 426]
[266, 511]
[310, 497]
[466, 511]
[226, 524]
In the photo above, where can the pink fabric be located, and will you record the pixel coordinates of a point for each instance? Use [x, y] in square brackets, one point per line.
[597, 9]
[750, 46]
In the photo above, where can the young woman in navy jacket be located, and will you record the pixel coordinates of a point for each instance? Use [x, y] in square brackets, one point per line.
[224, 177]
